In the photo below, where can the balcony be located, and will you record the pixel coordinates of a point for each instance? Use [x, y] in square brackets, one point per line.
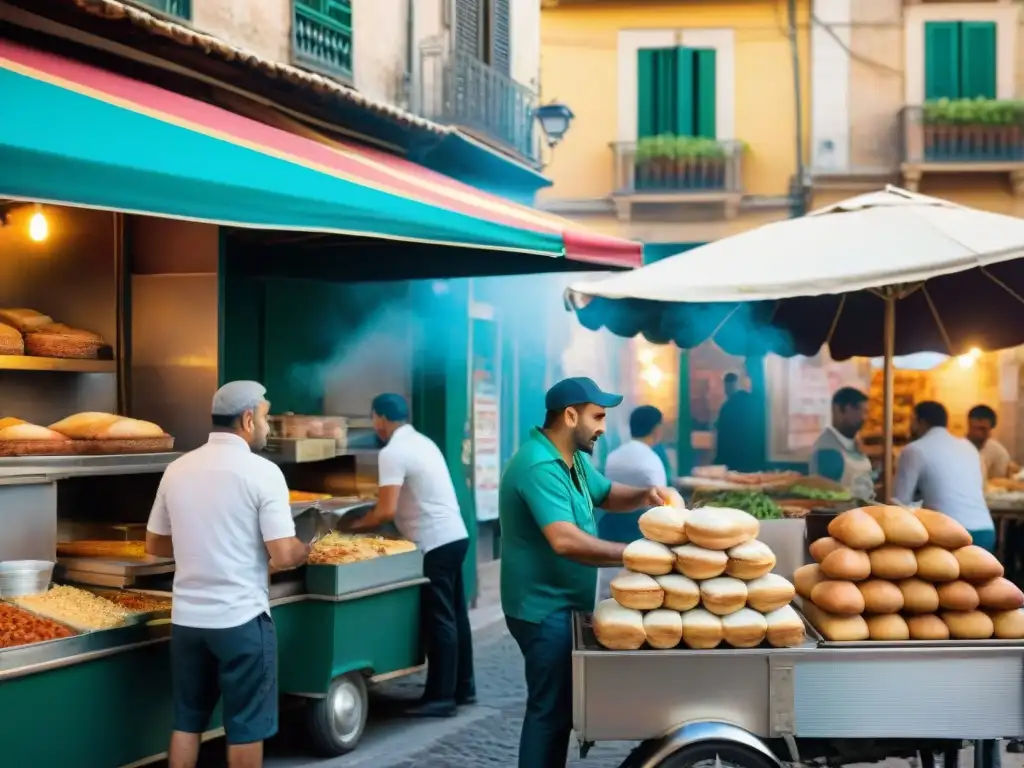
[459, 89]
[180, 9]
[322, 37]
[662, 170]
[964, 136]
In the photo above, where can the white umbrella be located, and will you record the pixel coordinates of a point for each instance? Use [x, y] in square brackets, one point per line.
[833, 277]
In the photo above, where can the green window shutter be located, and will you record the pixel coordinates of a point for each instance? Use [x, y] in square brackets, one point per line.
[684, 116]
[645, 94]
[706, 96]
[977, 59]
[941, 60]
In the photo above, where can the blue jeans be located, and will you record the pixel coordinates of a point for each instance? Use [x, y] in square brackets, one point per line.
[547, 656]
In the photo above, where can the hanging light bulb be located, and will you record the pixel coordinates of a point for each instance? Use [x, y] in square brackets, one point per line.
[38, 226]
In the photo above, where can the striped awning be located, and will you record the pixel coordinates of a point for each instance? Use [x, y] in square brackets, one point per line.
[75, 134]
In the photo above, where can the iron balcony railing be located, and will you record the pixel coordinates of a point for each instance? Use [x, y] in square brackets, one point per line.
[683, 164]
[459, 89]
[322, 36]
[963, 132]
[179, 8]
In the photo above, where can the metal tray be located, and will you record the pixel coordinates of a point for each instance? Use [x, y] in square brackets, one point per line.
[334, 580]
[12, 659]
[106, 572]
[922, 644]
[142, 616]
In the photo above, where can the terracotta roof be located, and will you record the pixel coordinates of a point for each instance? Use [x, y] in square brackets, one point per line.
[114, 10]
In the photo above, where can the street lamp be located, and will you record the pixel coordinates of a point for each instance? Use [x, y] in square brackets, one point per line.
[554, 119]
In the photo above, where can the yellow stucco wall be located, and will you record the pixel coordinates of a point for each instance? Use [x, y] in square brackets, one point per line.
[579, 66]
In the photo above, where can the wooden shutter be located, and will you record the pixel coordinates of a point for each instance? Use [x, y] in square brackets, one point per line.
[684, 113]
[941, 60]
[501, 37]
[469, 27]
[645, 95]
[667, 88]
[977, 59]
[706, 96]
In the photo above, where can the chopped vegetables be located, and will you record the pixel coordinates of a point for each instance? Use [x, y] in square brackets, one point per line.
[758, 504]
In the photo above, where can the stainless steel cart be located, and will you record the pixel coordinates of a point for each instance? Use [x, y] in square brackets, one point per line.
[757, 708]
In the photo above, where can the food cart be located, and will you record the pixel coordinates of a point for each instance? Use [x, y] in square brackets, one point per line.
[854, 702]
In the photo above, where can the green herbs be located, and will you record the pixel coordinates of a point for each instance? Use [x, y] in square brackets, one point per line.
[758, 504]
[820, 494]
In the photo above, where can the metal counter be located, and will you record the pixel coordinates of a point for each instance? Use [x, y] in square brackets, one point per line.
[38, 657]
[43, 469]
[966, 690]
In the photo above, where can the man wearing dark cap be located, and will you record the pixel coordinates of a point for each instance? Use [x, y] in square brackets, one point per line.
[417, 493]
[551, 552]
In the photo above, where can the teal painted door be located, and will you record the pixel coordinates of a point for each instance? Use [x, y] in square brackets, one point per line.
[676, 92]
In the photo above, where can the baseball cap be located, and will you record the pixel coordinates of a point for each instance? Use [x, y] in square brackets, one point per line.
[391, 407]
[236, 397]
[577, 390]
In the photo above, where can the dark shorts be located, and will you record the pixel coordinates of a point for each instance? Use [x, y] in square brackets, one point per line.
[238, 664]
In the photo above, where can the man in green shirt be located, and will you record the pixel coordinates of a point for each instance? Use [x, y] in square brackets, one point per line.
[551, 553]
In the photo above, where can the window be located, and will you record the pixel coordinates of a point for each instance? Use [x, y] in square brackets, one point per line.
[180, 8]
[959, 60]
[676, 92]
[322, 36]
[483, 31]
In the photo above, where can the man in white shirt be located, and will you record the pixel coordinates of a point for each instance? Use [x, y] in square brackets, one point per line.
[945, 472]
[222, 513]
[417, 493]
[995, 459]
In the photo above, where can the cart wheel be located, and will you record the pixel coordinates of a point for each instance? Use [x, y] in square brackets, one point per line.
[337, 721]
[717, 753]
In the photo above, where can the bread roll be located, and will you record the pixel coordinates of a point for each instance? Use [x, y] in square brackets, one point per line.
[769, 593]
[943, 531]
[892, 562]
[681, 593]
[11, 341]
[698, 562]
[958, 596]
[750, 560]
[848, 564]
[701, 629]
[744, 628]
[821, 548]
[24, 320]
[1000, 595]
[666, 525]
[84, 426]
[918, 596]
[720, 527]
[837, 629]
[723, 595]
[806, 577]
[664, 629]
[11, 421]
[31, 433]
[129, 429]
[968, 625]
[977, 564]
[674, 499]
[62, 329]
[881, 597]
[900, 526]
[927, 627]
[650, 557]
[637, 591]
[888, 627]
[857, 529]
[839, 597]
[618, 628]
[1009, 625]
[785, 628]
[936, 564]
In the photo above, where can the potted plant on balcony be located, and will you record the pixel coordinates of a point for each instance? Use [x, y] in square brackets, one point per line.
[973, 130]
[700, 163]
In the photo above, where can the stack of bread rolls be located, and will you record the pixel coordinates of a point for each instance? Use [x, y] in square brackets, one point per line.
[698, 577]
[889, 574]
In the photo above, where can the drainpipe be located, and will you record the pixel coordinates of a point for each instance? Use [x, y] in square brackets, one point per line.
[798, 197]
[410, 51]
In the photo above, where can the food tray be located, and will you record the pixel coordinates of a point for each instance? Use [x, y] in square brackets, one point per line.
[14, 659]
[61, 345]
[142, 616]
[81, 629]
[37, 448]
[105, 572]
[922, 644]
[133, 445]
[335, 580]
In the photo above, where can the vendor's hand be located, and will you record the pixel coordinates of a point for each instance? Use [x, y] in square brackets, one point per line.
[657, 497]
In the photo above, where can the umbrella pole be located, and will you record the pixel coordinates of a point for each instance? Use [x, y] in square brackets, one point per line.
[887, 395]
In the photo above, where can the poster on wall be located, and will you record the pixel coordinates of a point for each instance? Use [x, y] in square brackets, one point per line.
[810, 403]
[486, 449]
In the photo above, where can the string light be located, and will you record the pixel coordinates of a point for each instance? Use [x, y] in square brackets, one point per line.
[969, 358]
[38, 226]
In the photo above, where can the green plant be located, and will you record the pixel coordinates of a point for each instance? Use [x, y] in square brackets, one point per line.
[993, 112]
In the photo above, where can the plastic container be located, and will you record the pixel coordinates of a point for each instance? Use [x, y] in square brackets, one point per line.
[290, 426]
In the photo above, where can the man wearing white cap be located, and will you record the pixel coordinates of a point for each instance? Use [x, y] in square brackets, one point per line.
[222, 513]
